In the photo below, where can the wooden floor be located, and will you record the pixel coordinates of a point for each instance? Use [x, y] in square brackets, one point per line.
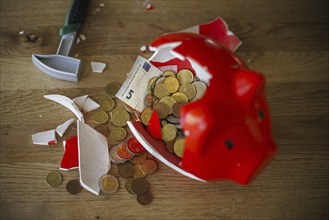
[285, 40]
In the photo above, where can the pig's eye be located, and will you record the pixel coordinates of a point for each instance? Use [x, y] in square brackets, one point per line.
[261, 114]
[229, 144]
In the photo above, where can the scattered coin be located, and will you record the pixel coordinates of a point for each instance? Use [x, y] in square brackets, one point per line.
[101, 129]
[134, 147]
[170, 101]
[128, 186]
[162, 109]
[139, 186]
[168, 73]
[126, 170]
[173, 119]
[114, 157]
[111, 89]
[73, 186]
[119, 117]
[149, 166]
[149, 99]
[185, 76]
[138, 159]
[145, 198]
[106, 103]
[176, 108]
[151, 83]
[54, 178]
[179, 147]
[146, 115]
[172, 84]
[170, 146]
[101, 117]
[109, 184]
[139, 172]
[123, 153]
[160, 80]
[118, 133]
[189, 90]
[168, 132]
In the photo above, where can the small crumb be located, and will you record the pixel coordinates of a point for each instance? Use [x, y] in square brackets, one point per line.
[97, 67]
[77, 55]
[82, 37]
[102, 5]
[98, 9]
[78, 40]
[21, 32]
[144, 48]
[148, 5]
[30, 37]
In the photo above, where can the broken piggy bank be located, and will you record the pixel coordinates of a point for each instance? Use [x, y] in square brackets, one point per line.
[228, 131]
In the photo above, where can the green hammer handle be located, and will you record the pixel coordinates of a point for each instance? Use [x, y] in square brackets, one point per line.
[74, 17]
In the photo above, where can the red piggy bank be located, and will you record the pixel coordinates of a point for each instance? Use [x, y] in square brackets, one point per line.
[228, 131]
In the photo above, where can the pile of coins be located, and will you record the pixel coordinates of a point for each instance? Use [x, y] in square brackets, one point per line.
[167, 94]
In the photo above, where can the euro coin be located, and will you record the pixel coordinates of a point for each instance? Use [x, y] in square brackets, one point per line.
[126, 170]
[162, 109]
[146, 115]
[168, 132]
[179, 147]
[139, 172]
[161, 90]
[128, 186]
[106, 103]
[114, 157]
[101, 117]
[73, 186]
[169, 73]
[54, 178]
[134, 147]
[176, 108]
[151, 83]
[139, 186]
[145, 198]
[123, 153]
[118, 133]
[172, 84]
[170, 146]
[119, 117]
[189, 90]
[180, 97]
[170, 101]
[173, 119]
[185, 76]
[201, 89]
[112, 88]
[149, 99]
[160, 80]
[149, 166]
[102, 129]
[138, 159]
[109, 184]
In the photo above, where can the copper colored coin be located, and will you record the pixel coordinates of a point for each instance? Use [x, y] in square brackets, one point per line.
[149, 166]
[145, 198]
[170, 146]
[138, 159]
[139, 186]
[73, 186]
[101, 129]
[126, 170]
[149, 99]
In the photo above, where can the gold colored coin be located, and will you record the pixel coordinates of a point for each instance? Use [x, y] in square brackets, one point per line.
[179, 147]
[119, 117]
[111, 89]
[169, 73]
[168, 132]
[164, 122]
[201, 89]
[118, 133]
[128, 186]
[146, 115]
[189, 90]
[54, 178]
[185, 76]
[172, 84]
[162, 109]
[170, 101]
[161, 90]
[106, 103]
[138, 171]
[109, 184]
[160, 80]
[180, 97]
[151, 83]
[101, 117]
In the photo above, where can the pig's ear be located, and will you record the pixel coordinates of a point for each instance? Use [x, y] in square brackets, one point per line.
[248, 85]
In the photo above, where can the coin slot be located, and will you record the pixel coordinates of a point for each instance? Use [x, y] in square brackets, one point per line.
[229, 144]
